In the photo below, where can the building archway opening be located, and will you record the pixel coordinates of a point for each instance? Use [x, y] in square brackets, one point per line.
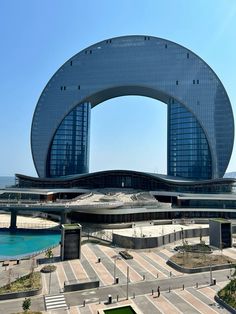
[129, 133]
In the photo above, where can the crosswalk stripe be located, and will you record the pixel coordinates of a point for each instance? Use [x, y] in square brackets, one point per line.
[51, 303]
[56, 307]
[55, 302]
[57, 299]
[55, 296]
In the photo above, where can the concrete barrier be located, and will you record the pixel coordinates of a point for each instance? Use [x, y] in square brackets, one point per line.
[76, 286]
[224, 304]
[22, 294]
[151, 242]
[198, 269]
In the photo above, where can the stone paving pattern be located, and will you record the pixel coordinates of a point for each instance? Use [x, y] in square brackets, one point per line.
[147, 265]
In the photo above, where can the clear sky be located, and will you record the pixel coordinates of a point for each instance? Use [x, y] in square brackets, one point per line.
[38, 36]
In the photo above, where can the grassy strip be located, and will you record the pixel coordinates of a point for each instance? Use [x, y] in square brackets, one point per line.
[228, 293]
[195, 248]
[25, 283]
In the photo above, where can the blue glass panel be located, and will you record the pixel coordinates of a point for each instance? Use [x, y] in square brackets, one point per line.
[69, 152]
[188, 150]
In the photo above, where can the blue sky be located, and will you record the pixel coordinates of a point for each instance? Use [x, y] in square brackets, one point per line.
[38, 36]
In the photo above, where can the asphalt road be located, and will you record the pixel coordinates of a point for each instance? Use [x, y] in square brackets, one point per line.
[101, 294]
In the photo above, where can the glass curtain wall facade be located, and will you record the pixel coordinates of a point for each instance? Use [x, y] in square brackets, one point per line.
[69, 152]
[188, 150]
[200, 144]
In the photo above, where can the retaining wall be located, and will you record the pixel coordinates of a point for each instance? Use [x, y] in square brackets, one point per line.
[151, 242]
[198, 269]
[22, 294]
[68, 287]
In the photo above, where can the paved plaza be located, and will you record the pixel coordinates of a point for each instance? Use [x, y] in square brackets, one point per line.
[147, 270]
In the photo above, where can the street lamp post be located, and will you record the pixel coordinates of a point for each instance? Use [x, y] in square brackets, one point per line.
[127, 286]
[230, 270]
[115, 269]
[210, 274]
[114, 273]
[230, 276]
[50, 278]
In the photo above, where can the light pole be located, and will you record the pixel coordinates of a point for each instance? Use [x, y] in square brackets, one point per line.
[50, 278]
[49, 254]
[115, 259]
[115, 269]
[230, 270]
[210, 275]
[127, 286]
[182, 235]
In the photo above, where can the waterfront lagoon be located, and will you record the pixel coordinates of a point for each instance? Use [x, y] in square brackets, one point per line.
[18, 244]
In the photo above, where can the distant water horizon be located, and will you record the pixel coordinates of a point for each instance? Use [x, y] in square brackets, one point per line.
[6, 181]
[231, 174]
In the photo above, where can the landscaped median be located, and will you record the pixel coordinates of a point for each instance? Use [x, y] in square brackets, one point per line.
[25, 286]
[199, 258]
[48, 269]
[188, 262]
[227, 296]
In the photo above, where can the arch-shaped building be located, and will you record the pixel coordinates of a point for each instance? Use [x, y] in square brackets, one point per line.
[200, 119]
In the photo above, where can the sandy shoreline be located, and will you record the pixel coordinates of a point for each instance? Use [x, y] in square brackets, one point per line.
[5, 220]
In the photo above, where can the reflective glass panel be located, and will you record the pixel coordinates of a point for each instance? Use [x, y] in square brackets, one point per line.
[69, 152]
[188, 150]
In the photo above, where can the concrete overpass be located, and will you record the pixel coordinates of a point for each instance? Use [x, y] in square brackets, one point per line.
[98, 211]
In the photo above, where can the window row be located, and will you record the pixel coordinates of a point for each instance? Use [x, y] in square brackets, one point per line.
[77, 134]
[74, 154]
[178, 125]
[196, 169]
[180, 119]
[75, 120]
[190, 164]
[184, 129]
[189, 157]
[62, 143]
[194, 82]
[182, 114]
[188, 138]
[175, 148]
[69, 136]
[65, 161]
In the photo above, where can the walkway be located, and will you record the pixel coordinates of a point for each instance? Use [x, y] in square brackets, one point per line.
[147, 270]
[190, 301]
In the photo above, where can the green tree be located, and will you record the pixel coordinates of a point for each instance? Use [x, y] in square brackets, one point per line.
[49, 253]
[26, 305]
[32, 272]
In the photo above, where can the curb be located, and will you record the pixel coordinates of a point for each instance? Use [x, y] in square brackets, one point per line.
[198, 269]
[224, 304]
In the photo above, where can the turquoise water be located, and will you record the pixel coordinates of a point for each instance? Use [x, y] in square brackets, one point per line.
[25, 243]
